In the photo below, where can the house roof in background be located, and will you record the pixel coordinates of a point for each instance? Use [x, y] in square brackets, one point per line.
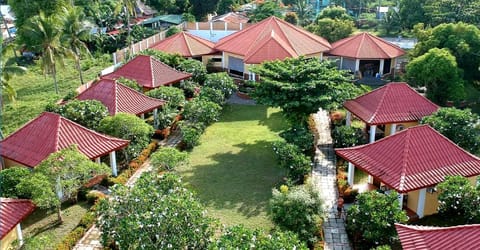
[12, 212]
[365, 46]
[231, 17]
[185, 44]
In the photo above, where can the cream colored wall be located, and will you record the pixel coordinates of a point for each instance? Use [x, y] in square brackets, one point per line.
[412, 201]
[8, 239]
[431, 203]
[405, 125]
[208, 57]
[473, 180]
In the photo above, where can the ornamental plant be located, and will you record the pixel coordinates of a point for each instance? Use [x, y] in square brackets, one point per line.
[166, 116]
[301, 137]
[221, 81]
[212, 95]
[9, 179]
[458, 198]
[372, 220]
[202, 111]
[194, 67]
[157, 213]
[168, 158]
[87, 113]
[130, 83]
[293, 160]
[347, 136]
[173, 96]
[298, 210]
[189, 88]
[191, 133]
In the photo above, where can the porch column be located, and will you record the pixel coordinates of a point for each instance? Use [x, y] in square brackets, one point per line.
[321, 57]
[373, 129]
[113, 163]
[400, 200]
[97, 160]
[382, 63]
[142, 116]
[19, 234]
[348, 119]
[357, 65]
[351, 173]
[223, 60]
[393, 129]
[421, 202]
[58, 189]
[226, 26]
[341, 62]
[155, 118]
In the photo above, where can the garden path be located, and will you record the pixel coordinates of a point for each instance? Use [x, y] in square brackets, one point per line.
[324, 177]
[92, 238]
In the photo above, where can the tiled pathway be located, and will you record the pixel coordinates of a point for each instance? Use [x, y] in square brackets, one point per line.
[92, 238]
[324, 176]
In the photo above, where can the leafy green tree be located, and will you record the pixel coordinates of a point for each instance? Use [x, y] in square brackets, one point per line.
[264, 10]
[298, 210]
[172, 31]
[451, 11]
[194, 67]
[291, 17]
[332, 29]
[458, 125]
[8, 70]
[130, 83]
[191, 133]
[170, 6]
[172, 60]
[411, 12]
[87, 113]
[74, 35]
[304, 11]
[225, 6]
[462, 40]
[291, 158]
[391, 22]
[301, 86]
[9, 179]
[372, 219]
[44, 34]
[200, 8]
[129, 127]
[212, 95]
[458, 198]
[59, 177]
[157, 213]
[221, 81]
[239, 237]
[201, 111]
[127, 7]
[334, 12]
[167, 158]
[173, 96]
[301, 137]
[437, 70]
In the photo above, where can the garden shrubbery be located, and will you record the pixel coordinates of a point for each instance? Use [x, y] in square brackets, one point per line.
[9, 178]
[191, 133]
[347, 136]
[173, 96]
[168, 158]
[293, 160]
[88, 113]
[202, 111]
[301, 137]
[222, 82]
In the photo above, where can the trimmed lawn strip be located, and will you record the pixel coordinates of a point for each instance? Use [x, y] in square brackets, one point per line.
[234, 168]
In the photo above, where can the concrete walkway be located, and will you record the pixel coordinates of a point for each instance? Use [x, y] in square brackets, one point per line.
[92, 238]
[323, 177]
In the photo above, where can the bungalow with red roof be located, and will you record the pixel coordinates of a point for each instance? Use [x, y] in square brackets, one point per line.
[268, 40]
[12, 213]
[49, 133]
[367, 54]
[231, 17]
[189, 46]
[120, 98]
[412, 162]
[149, 72]
[465, 237]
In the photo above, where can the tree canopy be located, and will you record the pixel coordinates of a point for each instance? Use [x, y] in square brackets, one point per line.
[300, 86]
[87, 113]
[458, 198]
[264, 10]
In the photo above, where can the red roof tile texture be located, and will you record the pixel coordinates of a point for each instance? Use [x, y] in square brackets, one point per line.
[231, 17]
[51, 132]
[365, 46]
[393, 103]
[465, 237]
[148, 72]
[120, 98]
[412, 159]
[185, 44]
[12, 212]
[272, 39]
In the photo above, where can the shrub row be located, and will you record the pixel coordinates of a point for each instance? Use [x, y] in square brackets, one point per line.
[77, 233]
[293, 160]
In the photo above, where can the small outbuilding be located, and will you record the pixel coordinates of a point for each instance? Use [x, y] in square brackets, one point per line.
[12, 213]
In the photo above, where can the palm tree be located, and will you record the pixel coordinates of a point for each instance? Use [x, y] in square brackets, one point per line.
[128, 7]
[74, 33]
[44, 33]
[8, 70]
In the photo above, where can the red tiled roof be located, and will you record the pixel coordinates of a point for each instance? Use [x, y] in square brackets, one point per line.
[12, 212]
[412, 159]
[464, 237]
[148, 72]
[120, 98]
[185, 44]
[272, 39]
[51, 132]
[231, 17]
[365, 46]
[393, 103]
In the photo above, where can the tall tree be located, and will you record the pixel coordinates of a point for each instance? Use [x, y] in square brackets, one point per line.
[333, 23]
[411, 12]
[200, 8]
[451, 11]
[44, 33]
[59, 177]
[127, 7]
[8, 70]
[75, 32]
[264, 10]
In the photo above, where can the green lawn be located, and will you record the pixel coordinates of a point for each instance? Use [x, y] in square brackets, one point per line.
[34, 91]
[234, 169]
[41, 228]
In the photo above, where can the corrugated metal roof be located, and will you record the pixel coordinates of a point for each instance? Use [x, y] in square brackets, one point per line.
[365, 46]
[395, 102]
[260, 42]
[148, 72]
[185, 44]
[51, 132]
[464, 237]
[412, 159]
[12, 212]
[120, 98]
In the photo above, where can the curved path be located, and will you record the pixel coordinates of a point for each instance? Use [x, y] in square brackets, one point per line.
[324, 176]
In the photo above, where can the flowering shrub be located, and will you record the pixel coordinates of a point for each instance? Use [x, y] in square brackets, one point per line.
[189, 88]
[130, 83]
[222, 82]
[291, 158]
[202, 111]
[344, 137]
[191, 133]
[212, 95]
[298, 210]
[88, 113]
[168, 158]
[301, 137]
[173, 96]
[194, 67]
[371, 221]
[157, 213]
[459, 199]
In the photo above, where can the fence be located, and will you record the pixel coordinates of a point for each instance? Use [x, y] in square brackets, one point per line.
[216, 26]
